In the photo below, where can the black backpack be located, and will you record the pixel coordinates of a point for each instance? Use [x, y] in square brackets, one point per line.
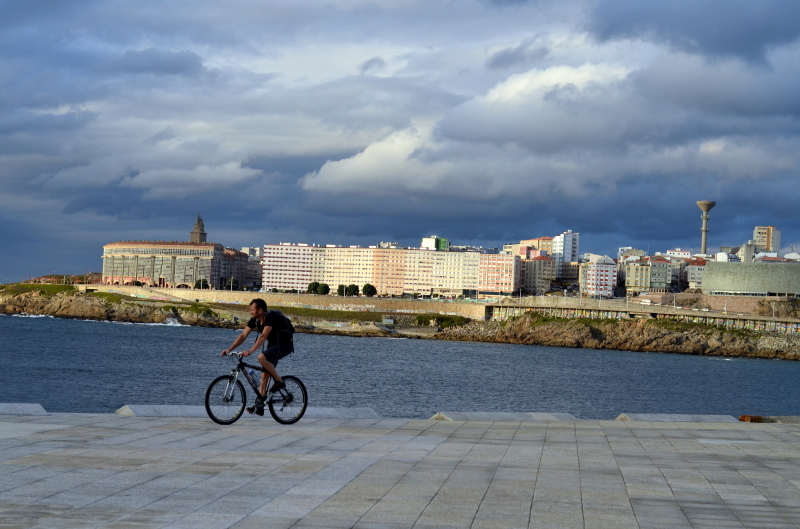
[286, 334]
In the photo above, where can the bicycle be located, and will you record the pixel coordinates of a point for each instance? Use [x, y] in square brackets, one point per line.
[226, 398]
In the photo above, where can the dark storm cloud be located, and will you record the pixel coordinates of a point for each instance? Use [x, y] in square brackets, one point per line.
[158, 62]
[375, 63]
[740, 28]
[294, 166]
[525, 53]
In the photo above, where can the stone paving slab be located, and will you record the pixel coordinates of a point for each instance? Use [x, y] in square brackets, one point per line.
[674, 417]
[502, 416]
[106, 470]
[21, 408]
[150, 410]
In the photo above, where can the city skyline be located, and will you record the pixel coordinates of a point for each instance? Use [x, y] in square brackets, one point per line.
[486, 122]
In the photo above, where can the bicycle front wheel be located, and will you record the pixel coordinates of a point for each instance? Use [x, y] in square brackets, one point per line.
[288, 405]
[225, 400]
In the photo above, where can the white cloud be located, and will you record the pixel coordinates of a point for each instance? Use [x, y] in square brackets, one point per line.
[179, 183]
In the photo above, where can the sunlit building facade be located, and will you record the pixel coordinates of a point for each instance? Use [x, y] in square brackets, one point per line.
[163, 264]
[392, 271]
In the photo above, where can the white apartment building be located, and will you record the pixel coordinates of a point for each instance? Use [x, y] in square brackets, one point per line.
[677, 252]
[598, 278]
[287, 266]
[565, 249]
[452, 273]
[391, 271]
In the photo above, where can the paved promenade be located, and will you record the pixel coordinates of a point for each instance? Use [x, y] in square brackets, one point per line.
[113, 471]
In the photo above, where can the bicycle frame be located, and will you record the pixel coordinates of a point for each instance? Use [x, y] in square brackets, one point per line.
[242, 368]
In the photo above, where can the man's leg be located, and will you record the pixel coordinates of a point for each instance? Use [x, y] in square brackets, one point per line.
[263, 386]
[269, 368]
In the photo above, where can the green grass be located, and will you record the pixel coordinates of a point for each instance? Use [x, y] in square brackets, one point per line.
[109, 297]
[44, 290]
[195, 308]
[683, 326]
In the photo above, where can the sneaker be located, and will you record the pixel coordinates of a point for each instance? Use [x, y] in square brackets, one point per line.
[258, 410]
[277, 386]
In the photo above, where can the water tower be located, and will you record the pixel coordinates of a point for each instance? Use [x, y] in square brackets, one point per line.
[705, 206]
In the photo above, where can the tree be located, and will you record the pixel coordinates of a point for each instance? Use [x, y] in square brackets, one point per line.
[340, 290]
[323, 289]
[369, 290]
[232, 284]
[352, 290]
[201, 283]
[312, 287]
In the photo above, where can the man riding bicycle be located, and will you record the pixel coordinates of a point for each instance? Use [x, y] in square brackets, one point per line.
[274, 329]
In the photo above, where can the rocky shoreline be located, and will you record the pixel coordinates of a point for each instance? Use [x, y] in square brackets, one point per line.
[644, 335]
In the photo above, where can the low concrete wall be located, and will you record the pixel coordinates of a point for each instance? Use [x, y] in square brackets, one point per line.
[310, 301]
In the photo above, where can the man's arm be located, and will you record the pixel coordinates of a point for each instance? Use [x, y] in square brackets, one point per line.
[259, 341]
[238, 341]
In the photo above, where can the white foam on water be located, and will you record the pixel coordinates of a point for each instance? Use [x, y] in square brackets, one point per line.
[31, 315]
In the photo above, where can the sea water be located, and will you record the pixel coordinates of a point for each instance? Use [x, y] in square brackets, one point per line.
[88, 366]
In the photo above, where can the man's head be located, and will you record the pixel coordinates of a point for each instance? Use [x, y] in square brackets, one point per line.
[258, 307]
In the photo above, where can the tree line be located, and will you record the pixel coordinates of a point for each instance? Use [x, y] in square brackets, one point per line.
[323, 289]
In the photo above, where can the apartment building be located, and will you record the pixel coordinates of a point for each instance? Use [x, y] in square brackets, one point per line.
[767, 239]
[287, 266]
[637, 275]
[660, 274]
[392, 271]
[565, 249]
[234, 268]
[598, 278]
[500, 274]
[570, 272]
[539, 273]
[255, 272]
[694, 272]
[544, 244]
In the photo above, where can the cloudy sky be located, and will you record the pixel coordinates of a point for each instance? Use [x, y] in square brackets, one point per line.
[352, 122]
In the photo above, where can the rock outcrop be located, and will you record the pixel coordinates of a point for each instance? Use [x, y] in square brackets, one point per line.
[630, 335]
[108, 307]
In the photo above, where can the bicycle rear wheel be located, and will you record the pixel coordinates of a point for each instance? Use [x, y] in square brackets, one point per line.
[225, 400]
[288, 405]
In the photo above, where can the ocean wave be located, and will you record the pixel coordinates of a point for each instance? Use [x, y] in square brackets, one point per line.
[171, 322]
[31, 315]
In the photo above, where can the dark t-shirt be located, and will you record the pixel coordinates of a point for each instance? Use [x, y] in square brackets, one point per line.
[277, 321]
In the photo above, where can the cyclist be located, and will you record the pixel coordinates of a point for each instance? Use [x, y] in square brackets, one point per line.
[274, 328]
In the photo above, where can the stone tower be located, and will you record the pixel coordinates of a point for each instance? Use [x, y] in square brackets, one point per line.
[198, 233]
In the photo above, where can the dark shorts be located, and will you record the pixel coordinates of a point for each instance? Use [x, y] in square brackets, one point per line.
[276, 352]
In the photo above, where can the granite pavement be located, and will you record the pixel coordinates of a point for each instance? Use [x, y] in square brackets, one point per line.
[114, 471]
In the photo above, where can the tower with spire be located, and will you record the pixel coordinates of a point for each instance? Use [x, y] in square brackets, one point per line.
[199, 232]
